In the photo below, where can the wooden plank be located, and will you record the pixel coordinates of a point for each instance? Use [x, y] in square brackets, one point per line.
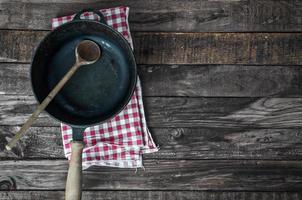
[19, 45]
[189, 80]
[15, 79]
[151, 195]
[182, 48]
[218, 48]
[185, 112]
[169, 15]
[220, 80]
[163, 175]
[174, 143]
[224, 112]
[39, 142]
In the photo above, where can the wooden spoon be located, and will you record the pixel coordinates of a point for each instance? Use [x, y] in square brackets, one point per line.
[87, 52]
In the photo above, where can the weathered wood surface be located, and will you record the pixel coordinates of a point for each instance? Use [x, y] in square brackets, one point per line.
[218, 48]
[184, 112]
[169, 15]
[152, 195]
[38, 142]
[219, 80]
[182, 48]
[188, 80]
[224, 175]
[174, 143]
[235, 139]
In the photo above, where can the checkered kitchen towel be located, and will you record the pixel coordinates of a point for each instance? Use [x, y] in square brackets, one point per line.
[121, 141]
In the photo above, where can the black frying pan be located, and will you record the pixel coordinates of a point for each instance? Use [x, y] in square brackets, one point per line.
[95, 93]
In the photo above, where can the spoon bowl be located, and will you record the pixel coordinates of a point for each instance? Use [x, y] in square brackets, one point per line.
[87, 52]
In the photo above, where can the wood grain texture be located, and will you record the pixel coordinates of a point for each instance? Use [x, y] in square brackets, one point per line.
[184, 112]
[217, 175]
[189, 80]
[218, 48]
[38, 142]
[220, 80]
[19, 46]
[174, 143]
[182, 48]
[224, 112]
[222, 92]
[151, 195]
[169, 15]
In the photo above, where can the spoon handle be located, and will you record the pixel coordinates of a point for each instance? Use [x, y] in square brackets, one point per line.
[42, 106]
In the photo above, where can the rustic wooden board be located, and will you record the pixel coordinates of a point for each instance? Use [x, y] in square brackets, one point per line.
[188, 80]
[169, 15]
[182, 48]
[174, 143]
[218, 48]
[39, 142]
[224, 175]
[151, 195]
[185, 112]
[220, 80]
[236, 141]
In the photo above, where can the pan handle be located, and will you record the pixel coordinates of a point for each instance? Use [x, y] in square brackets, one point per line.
[73, 190]
[98, 13]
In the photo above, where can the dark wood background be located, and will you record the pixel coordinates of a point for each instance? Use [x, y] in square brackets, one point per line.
[222, 83]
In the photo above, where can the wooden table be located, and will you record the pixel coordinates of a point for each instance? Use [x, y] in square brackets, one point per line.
[222, 84]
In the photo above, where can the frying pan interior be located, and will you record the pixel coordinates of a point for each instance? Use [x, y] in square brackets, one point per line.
[96, 92]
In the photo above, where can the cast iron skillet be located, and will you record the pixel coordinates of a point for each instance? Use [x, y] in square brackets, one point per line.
[95, 93]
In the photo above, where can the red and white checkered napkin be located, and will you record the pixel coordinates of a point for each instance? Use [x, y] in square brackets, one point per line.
[121, 141]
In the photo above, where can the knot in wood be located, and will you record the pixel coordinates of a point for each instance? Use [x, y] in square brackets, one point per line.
[7, 183]
[177, 133]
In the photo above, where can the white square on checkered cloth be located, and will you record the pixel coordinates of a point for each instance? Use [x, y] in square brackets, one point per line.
[121, 141]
